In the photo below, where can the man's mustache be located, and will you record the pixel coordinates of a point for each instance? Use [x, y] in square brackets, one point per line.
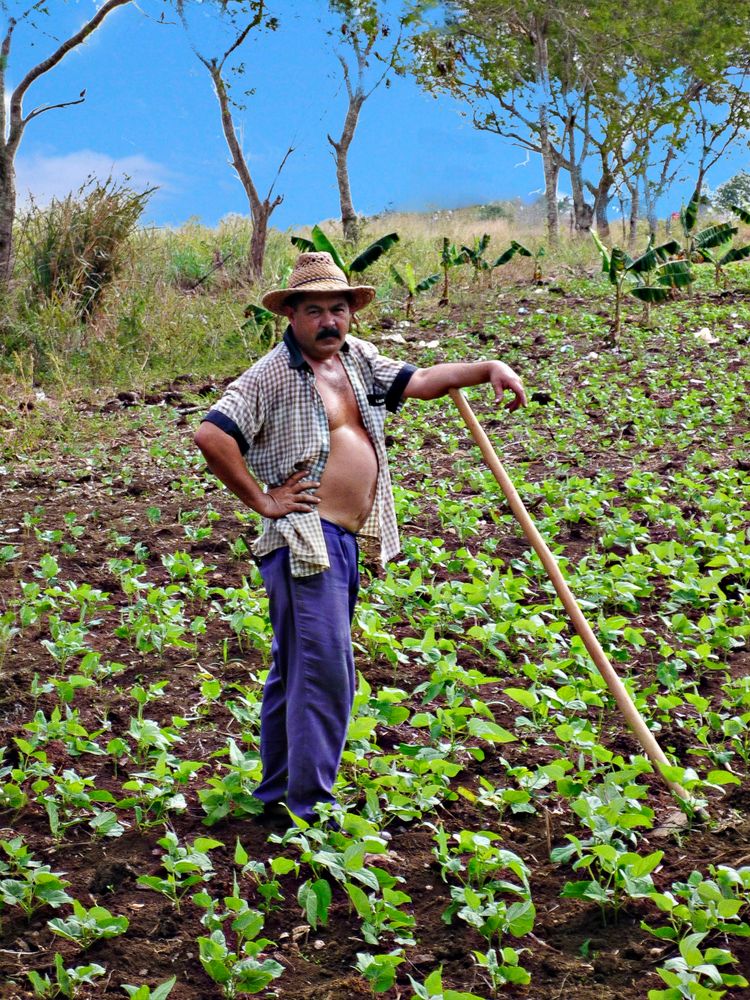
[324, 334]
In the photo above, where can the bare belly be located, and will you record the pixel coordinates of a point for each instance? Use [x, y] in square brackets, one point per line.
[347, 487]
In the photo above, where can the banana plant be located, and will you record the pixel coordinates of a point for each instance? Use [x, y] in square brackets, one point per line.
[413, 287]
[698, 245]
[450, 256]
[265, 323]
[724, 253]
[519, 249]
[475, 255]
[654, 264]
[361, 262]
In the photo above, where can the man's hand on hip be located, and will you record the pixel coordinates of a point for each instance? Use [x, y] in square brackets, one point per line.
[290, 497]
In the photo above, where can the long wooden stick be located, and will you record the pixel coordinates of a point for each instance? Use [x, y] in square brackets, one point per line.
[582, 627]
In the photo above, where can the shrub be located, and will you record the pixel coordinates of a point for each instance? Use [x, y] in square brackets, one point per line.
[73, 249]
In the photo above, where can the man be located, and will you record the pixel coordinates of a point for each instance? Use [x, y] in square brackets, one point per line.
[307, 419]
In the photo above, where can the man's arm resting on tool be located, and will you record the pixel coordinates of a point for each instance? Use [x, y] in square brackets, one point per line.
[224, 459]
[431, 383]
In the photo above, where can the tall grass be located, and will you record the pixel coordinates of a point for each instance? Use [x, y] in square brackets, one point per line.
[175, 298]
[72, 250]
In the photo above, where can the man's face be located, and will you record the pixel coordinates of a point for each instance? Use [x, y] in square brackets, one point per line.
[320, 324]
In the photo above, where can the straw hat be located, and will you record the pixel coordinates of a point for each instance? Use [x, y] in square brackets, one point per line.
[314, 273]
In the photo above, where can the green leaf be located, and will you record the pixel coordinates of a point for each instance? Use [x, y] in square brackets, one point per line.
[689, 214]
[521, 250]
[303, 244]
[714, 236]
[490, 731]
[603, 251]
[675, 274]
[372, 253]
[735, 254]
[742, 213]
[665, 250]
[504, 257]
[321, 242]
[426, 283]
[646, 262]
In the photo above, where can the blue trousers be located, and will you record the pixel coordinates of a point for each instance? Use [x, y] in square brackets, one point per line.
[309, 692]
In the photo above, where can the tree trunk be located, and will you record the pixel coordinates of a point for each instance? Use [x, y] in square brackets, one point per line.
[602, 221]
[7, 214]
[551, 174]
[602, 198]
[349, 220]
[649, 199]
[258, 240]
[260, 211]
[583, 213]
[634, 190]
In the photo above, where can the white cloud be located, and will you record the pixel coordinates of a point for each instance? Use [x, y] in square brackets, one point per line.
[48, 177]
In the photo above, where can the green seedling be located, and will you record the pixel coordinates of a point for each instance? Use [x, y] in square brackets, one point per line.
[160, 992]
[502, 966]
[231, 794]
[694, 973]
[432, 989]
[703, 905]
[615, 876]
[379, 970]
[267, 884]
[66, 982]
[186, 867]
[381, 914]
[240, 971]
[157, 792]
[70, 800]
[84, 927]
[34, 888]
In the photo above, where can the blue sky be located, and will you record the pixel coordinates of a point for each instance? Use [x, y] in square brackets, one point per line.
[151, 113]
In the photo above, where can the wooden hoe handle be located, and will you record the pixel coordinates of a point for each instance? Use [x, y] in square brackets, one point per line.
[582, 627]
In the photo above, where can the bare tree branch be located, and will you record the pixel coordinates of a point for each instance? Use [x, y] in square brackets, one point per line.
[17, 122]
[51, 107]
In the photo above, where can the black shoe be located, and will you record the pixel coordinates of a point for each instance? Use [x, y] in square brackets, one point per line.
[274, 815]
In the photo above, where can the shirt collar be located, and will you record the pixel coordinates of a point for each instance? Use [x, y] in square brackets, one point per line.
[296, 358]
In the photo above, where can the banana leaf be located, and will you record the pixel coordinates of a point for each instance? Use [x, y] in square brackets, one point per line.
[650, 293]
[520, 249]
[321, 242]
[619, 261]
[603, 251]
[714, 236]
[483, 243]
[646, 262]
[426, 283]
[504, 257]
[372, 253]
[675, 274]
[401, 280]
[689, 214]
[735, 254]
[302, 243]
[665, 250]
[257, 316]
[742, 213]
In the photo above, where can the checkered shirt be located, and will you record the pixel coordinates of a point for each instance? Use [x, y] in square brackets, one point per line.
[278, 418]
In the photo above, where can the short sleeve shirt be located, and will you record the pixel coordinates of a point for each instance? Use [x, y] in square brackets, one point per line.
[277, 416]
